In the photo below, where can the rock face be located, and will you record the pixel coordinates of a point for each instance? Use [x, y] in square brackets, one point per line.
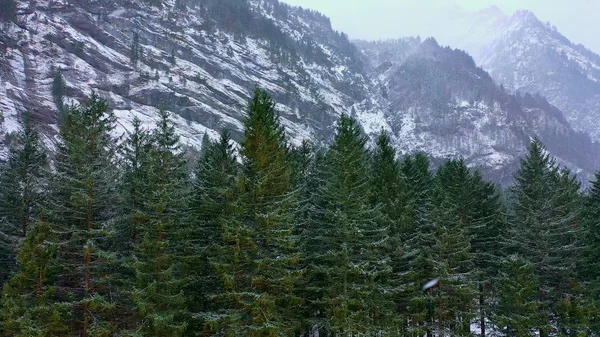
[441, 103]
[527, 55]
[202, 59]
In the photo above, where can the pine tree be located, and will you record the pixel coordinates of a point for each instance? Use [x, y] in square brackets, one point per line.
[82, 206]
[268, 199]
[544, 231]
[30, 305]
[518, 307]
[21, 185]
[389, 191]
[58, 92]
[590, 270]
[211, 205]
[418, 236]
[347, 245]
[133, 219]
[487, 231]
[158, 292]
[455, 200]
[172, 58]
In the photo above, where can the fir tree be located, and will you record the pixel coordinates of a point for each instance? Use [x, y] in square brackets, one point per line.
[544, 231]
[347, 249]
[135, 50]
[172, 58]
[82, 206]
[213, 195]
[135, 186]
[389, 191]
[158, 292]
[518, 306]
[268, 201]
[134, 216]
[21, 186]
[59, 87]
[486, 230]
[590, 270]
[30, 303]
[455, 200]
[418, 236]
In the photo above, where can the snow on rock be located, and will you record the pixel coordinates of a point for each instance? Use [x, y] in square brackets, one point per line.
[197, 66]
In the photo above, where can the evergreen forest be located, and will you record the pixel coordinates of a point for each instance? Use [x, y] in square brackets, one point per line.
[130, 237]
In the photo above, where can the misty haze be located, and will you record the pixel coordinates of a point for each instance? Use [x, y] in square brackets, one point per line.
[301, 168]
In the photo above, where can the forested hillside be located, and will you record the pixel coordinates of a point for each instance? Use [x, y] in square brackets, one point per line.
[136, 237]
[200, 60]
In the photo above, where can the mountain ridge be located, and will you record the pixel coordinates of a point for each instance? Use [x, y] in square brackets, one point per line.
[527, 55]
[202, 66]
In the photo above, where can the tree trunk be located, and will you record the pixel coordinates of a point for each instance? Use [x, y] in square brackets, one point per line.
[481, 309]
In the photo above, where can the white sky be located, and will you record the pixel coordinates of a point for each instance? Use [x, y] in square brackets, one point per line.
[578, 20]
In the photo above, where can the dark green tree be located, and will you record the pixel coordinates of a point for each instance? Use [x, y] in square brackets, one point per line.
[486, 228]
[455, 201]
[30, 304]
[172, 58]
[590, 267]
[158, 291]
[22, 181]
[518, 307]
[211, 206]
[419, 238]
[390, 193]
[347, 243]
[59, 88]
[133, 219]
[545, 231]
[268, 200]
[82, 208]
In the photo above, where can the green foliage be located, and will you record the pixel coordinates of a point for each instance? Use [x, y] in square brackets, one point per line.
[545, 231]
[59, 87]
[519, 308]
[347, 243]
[265, 215]
[172, 58]
[22, 181]
[158, 292]
[285, 241]
[418, 261]
[388, 191]
[82, 207]
[30, 305]
[211, 204]
[133, 218]
[590, 266]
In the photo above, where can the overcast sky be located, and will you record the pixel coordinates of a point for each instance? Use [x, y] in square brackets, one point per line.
[578, 20]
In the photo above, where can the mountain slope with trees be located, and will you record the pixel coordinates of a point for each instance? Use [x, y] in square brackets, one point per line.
[200, 60]
[290, 240]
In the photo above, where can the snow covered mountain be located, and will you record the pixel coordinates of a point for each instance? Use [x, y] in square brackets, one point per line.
[526, 55]
[201, 59]
[440, 102]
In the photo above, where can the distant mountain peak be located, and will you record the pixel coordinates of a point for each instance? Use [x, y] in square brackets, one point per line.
[525, 16]
[492, 11]
[528, 55]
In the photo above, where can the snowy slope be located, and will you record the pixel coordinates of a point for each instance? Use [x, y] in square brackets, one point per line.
[441, 103]
[527, 55]
[223, 49]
